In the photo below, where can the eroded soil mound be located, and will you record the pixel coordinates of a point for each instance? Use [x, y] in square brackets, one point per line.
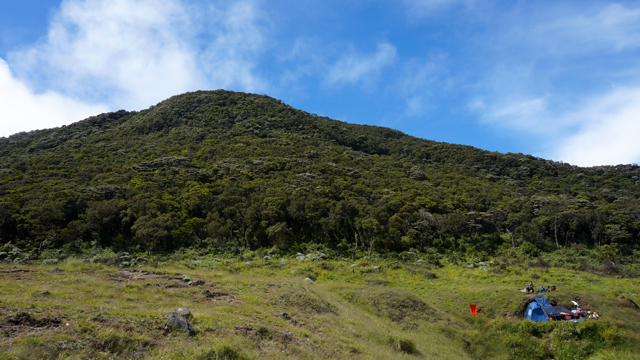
[304, 300]
[399, 306]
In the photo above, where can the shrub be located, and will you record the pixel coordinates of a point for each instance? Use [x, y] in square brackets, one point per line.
[403, 345]
[528, 249]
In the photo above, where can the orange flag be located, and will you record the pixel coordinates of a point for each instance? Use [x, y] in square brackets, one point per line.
[474, 310]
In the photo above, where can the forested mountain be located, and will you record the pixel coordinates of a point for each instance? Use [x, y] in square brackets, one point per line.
[226, 170]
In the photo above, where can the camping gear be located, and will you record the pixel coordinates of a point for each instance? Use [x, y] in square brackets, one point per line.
[474, 310]
[541, 310]
[559, 313]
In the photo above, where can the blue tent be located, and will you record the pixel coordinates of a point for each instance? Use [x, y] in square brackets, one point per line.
[535, 313]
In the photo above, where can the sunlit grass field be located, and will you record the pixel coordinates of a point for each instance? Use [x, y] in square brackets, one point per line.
[305, 309]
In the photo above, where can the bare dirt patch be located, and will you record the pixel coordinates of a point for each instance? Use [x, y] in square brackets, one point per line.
[15, 325]
[133, 275]
[220, 296]
[13, 271]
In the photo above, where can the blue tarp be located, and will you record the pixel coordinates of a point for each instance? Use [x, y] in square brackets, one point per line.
[542, 300]
[557, 311]
[535, 313]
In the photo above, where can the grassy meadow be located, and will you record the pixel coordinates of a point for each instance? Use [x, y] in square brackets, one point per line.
[275, 308]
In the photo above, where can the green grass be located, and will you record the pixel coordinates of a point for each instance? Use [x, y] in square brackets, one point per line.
[377, 309]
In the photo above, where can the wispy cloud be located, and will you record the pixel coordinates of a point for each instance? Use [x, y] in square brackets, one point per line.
[423, 80]
[361, 68]
[419, 8]
[238, 34]
[613, 28]
[523, 114]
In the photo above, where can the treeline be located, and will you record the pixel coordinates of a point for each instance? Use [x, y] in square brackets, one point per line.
[229, 170]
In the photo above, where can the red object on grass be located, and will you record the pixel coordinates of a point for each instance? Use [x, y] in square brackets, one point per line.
[474, 310]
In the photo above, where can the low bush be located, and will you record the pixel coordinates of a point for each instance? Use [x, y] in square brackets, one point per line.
[403, 345]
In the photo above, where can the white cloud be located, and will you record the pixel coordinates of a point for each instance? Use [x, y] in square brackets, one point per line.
[354, 67]
[608, 134]
[130, 52]
[134, 53]
[23, 110]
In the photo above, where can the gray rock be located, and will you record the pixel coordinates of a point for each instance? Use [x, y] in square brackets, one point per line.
[184, 312]
[44, 292]
[196, 283]
[307, 280]
[267, 257]
[104, 308]
[178, 322]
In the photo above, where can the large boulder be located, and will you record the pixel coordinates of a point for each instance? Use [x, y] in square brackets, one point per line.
[178, 322]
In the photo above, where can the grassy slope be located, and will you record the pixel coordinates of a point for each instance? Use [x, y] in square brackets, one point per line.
[350, 311]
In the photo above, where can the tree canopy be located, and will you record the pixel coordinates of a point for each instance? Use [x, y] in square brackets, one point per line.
[228, 170]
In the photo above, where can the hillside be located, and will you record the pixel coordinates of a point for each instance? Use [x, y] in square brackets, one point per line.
[226, 171]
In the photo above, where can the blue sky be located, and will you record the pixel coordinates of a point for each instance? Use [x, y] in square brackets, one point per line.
[556, 79]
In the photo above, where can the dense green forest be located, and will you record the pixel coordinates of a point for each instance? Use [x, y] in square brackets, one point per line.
[224, 171]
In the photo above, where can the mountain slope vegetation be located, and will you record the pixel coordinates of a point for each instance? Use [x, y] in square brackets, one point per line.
[225, 171]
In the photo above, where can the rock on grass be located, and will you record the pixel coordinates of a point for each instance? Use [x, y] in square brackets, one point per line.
[185, 312]
[178, 322]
